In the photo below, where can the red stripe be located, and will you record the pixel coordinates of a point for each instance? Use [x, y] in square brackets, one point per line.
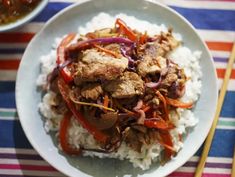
[26, 167]
[181, 174]
[224, 46]
[221, 73]
[215, 175]
[12, 64]
[15, 37]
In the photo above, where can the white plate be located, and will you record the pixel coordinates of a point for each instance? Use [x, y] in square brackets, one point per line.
[68, 20]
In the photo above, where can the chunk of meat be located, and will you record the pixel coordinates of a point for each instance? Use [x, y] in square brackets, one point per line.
[153, 53]
[91, 91]
[98, 66]
[128, 85]
[151, 65]
[174, 81]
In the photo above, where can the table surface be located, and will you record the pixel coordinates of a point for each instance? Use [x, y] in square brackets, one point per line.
[214, 21]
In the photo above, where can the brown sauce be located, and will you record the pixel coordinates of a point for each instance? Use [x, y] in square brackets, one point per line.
[12, 10]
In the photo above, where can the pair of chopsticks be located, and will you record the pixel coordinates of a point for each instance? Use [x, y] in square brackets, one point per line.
[209, 138]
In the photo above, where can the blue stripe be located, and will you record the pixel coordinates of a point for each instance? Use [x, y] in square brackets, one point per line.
[12, 51]
[220, 59]
[209, 18]
[222, 145]
[200, 18]
[228, 109]
[7, 100]
[13, 135]
[51, 9]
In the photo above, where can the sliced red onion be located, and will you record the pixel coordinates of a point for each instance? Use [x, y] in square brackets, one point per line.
[64, 64]
[142, 117]
[138, 105]
[81, 44]
[152, 84]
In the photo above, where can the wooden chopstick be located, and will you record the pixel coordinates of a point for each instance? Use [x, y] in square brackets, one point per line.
[209, 138]
[233, 167]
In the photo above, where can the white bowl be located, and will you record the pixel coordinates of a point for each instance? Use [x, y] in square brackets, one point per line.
[68, 20]
[25, 19]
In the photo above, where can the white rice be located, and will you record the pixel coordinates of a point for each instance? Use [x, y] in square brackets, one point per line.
[183, 119]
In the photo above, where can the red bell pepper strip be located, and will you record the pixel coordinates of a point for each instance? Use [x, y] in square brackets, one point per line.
[179, 104]
[64, 124]
[167, 140]
[162, 98]
[158, 123]
[126, 30]
[66, 74]
[64, 90]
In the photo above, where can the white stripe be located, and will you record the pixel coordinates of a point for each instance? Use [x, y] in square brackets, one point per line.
[199, 4]
[18, 151]
[231, 84]
[217, 35]
[32, 27]
[7, 110]
[227, 119]
[8, 75]
[222, 65]
[206, 170]
[31, 173]
[221, 54]
[10, 56]
[9, 118]
[213, 159]
[23, 162]
[225, 127]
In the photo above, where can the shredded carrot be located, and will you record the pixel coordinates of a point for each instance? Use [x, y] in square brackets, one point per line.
[166, 146]
[146, 108]
[154, 114]
[143, 38]
[107, 51]
[177, 103]
[126, 30]
[106, 101]
[162, 98]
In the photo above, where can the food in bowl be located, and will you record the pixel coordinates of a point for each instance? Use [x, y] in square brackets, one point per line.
[120, 88]
[12, 10]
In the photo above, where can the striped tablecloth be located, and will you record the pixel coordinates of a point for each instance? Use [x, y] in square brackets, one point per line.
[214, 21]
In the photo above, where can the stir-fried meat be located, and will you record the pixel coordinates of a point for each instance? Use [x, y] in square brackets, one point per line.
[151, 65]
[128, 85]
[91, 91]
[153, 54]
[123, 90]
[98, 66]
[174, 81]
